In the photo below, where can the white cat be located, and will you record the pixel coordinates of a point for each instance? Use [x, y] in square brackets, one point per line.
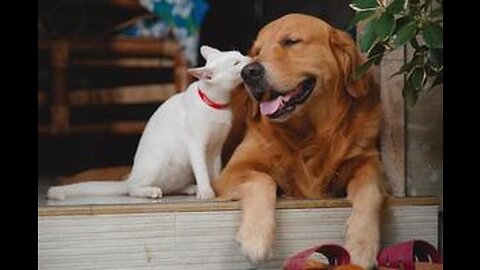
[183, 139]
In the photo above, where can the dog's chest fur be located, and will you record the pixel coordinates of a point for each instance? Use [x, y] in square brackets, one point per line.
[311, 167]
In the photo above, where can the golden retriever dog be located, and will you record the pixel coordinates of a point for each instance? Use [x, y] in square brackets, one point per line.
[310, 131]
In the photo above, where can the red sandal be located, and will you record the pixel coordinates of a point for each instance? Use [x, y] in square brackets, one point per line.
[330, 256]
[411, 255]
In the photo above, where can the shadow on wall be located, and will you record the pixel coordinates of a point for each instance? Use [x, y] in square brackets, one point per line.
[234, 24]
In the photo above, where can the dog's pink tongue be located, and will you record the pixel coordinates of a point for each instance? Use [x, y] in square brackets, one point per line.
[271, 106]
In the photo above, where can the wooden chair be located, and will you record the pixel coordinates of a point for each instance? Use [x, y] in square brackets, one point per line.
[120, 53]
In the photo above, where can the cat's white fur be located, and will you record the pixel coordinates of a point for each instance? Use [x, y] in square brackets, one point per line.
[182, 141]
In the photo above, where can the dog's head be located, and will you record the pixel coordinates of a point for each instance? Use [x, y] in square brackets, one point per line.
[298, 62]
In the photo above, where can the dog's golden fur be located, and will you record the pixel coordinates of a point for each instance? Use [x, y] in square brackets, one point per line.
[327, 148]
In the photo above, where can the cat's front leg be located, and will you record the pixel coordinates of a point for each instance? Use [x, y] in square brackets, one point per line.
[199, 165]
[217, 166]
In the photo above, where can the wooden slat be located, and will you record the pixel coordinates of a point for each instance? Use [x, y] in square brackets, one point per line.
[128, 4]
[71, 210]
[60, 110]
[125, 63]
[155, 93]
[119, 128]
[181, 77]
[125, 127]
[134, 46]
[200, 206]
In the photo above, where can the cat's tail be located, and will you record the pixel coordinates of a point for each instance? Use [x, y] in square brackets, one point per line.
[86, 189]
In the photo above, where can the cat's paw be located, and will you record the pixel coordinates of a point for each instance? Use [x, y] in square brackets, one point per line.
[145, 192]
[153, 192]
[56, 193]
[205, 193]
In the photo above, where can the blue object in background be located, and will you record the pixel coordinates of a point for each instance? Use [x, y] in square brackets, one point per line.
[182, 17]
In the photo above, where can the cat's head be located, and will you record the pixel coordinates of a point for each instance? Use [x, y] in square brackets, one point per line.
[221, 69]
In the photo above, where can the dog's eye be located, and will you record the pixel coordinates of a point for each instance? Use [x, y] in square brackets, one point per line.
[286, 42]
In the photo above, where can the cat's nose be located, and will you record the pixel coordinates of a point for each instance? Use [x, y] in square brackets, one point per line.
[253, 73]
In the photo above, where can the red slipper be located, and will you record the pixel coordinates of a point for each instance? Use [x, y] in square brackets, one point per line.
[321, 257]
[411, 255]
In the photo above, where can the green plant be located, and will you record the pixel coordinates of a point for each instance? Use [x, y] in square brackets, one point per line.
[387, 27]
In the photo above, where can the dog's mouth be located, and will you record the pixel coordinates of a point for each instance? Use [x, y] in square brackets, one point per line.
[279, 104]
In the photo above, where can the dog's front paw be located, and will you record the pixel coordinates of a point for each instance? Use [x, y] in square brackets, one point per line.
[363, 243]
[256, 242]
[205, 193]
[56, 193]
[363, 255]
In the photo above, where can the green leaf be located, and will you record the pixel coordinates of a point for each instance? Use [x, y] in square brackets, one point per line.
[413, 7]
[410, 94]
[414, 43]
[432, 70]
[368, 35]
[436, 57]
[395, 7]
[385, 25]
[405, 33]
[359, 71]
[361, 5]
[417, 78]
[377, 52]
[402, 21]
[418, 59]
[433, 35]
[426, 5]
[438, 12]
[360, 16]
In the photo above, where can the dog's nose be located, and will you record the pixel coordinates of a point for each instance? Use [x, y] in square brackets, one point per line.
[253, 72]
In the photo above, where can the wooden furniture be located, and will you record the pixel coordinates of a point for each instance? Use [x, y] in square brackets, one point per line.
[122, 53]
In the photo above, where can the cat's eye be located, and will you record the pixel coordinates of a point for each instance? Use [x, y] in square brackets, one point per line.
[236, 63]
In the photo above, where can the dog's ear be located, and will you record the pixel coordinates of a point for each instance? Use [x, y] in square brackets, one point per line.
[207, 51]
[349, 58]
[201, 73]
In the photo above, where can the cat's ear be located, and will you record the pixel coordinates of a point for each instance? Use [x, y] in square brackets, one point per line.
[207, 51]
[201, 73]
